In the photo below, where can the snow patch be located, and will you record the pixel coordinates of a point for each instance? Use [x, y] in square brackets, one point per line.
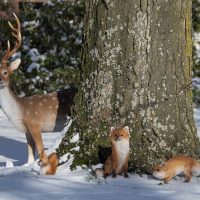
[75, 148]
[75, 138]
[9, 164]
[32, 66]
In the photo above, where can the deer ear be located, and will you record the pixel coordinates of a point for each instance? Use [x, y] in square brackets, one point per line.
[126, 129]
[14, 64]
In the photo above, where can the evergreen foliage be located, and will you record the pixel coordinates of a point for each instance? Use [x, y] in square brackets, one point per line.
[51, 42]
[4, 6]
[195, 15]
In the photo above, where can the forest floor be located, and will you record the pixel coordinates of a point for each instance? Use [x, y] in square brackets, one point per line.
[22, 183]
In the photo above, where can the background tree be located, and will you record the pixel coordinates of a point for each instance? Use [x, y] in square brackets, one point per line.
[136, 71]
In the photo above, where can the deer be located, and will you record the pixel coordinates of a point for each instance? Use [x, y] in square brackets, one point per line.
[36, 114]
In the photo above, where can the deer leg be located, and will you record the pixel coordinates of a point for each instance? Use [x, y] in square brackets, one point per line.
[30, 148]
[37, 137]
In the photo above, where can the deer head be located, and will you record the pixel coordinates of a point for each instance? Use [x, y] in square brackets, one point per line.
[5, 71]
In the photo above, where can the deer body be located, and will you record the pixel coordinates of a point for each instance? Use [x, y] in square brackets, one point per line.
[35, 114]
[40, 110]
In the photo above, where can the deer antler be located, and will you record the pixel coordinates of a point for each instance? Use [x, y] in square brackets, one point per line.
[17, 44]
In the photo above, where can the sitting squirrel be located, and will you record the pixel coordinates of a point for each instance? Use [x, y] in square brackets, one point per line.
[117, 162]
[174, 166]
[48, 165]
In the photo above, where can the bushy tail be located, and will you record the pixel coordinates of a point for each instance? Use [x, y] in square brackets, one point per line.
[195, 171]
[54, 162]
[99, 172]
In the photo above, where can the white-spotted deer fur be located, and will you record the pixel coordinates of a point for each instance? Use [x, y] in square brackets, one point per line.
[35, 114]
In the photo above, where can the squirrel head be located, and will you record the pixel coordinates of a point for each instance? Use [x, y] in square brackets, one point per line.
[117, 135]
[158, 170]
[43, 155]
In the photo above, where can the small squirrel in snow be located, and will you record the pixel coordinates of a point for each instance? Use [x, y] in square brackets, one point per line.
[48, 165]
[174, 166]
[117, 162]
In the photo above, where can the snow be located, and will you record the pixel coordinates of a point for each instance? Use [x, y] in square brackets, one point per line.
[31, 86]
[196, 82]
[16, 55]
[32, 66]
[196, 37]
[33, 23]
[9, 164]
[75, 138]
[23, 182]
[75, 148]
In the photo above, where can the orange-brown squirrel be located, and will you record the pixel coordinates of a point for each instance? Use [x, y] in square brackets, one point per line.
[117, 162]
[48, 165]
[174, 166]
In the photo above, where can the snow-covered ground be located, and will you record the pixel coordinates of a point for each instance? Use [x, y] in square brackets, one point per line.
[22, 183]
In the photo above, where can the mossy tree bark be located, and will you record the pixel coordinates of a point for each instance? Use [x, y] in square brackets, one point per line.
[136, 72]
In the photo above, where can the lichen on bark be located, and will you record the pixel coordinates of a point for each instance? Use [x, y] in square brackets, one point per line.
[135, 71]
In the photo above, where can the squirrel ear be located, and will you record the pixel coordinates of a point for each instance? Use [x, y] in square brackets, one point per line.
[162, 164]
[126, 129]
[112, 129]
[45, 152]
[153, 164]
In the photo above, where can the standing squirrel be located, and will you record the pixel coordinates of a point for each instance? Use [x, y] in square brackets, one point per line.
[48, 165]
[117, 162]
[174, 166]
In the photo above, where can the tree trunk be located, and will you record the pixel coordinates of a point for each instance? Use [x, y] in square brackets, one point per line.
[135, 71]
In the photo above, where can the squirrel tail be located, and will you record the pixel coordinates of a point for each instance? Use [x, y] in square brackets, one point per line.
[54, 162]
[99, 172]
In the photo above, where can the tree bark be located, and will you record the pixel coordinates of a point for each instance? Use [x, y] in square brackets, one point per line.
[135, 71]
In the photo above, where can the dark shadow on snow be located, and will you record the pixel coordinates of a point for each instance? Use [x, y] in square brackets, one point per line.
[15, 150]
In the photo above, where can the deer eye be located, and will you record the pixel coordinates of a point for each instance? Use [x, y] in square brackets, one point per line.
[158, 170]
[5, 73]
